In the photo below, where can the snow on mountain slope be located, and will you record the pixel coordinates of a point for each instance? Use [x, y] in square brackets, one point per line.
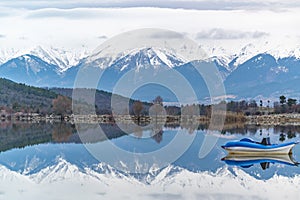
[7, 54]
[60, 171]
[53, 67]
[32, 164]
[285, 52]
[240, 54]
[30, 70]
[142, 57]
[65, 181]
[65, 59]
[62, 58]
[220, 55]
[247, 52]
[277, 51]
[148, 57]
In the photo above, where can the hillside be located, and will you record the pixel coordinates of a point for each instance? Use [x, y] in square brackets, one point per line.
[102, 99]
[21, 97]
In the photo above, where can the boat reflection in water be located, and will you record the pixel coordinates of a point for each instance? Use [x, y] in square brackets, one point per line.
[246, 161]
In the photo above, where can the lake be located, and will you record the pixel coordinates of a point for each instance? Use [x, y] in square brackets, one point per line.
[54, 161]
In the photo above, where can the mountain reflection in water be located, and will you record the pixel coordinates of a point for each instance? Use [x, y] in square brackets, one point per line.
[14, 136]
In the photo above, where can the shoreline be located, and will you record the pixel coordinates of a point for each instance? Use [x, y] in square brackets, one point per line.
[272, 119]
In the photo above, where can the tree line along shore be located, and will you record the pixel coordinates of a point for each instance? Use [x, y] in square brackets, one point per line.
[250, 112]
[228, 118]
[19, 102]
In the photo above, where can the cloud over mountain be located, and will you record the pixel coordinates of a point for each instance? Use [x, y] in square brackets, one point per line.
[77, 24]
[219, 34]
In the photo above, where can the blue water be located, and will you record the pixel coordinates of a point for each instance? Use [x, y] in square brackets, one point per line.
[32, 158]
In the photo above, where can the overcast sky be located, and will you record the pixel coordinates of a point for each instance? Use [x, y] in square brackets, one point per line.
[187, 4]
[73, 24]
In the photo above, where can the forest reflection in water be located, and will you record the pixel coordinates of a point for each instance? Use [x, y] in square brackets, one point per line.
[21, 134]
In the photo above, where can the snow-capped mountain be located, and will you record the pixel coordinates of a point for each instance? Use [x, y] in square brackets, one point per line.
[280, 52]
[253, 71]
[144, 62]
[38, 66]
[243, 53]
[246, 75]
[264, 75]
[137, 58]
[223, 64]
[61, 58]
[148, 57]
[7, 54]
[246, 53]
[68, 181]
[29, 69]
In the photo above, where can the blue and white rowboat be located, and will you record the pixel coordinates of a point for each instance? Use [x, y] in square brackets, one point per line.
[248, 146]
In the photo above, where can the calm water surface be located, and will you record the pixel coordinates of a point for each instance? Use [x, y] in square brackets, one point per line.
[30, 148]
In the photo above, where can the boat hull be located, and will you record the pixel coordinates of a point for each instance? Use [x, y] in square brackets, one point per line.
[287, 149]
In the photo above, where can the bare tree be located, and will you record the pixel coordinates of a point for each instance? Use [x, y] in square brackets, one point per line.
[137, 109]
[158, 100]
[62, 105]
[157, 108]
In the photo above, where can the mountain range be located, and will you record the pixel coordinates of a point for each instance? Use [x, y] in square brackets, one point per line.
[69, 180]
[248, 75]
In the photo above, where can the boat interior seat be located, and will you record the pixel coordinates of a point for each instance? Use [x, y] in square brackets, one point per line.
[265, 141]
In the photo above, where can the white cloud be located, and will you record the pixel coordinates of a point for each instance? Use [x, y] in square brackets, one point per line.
[66, 13]
[74, 28]
[102, 37]
[167, 34]
[186, 4]
[223, 34]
